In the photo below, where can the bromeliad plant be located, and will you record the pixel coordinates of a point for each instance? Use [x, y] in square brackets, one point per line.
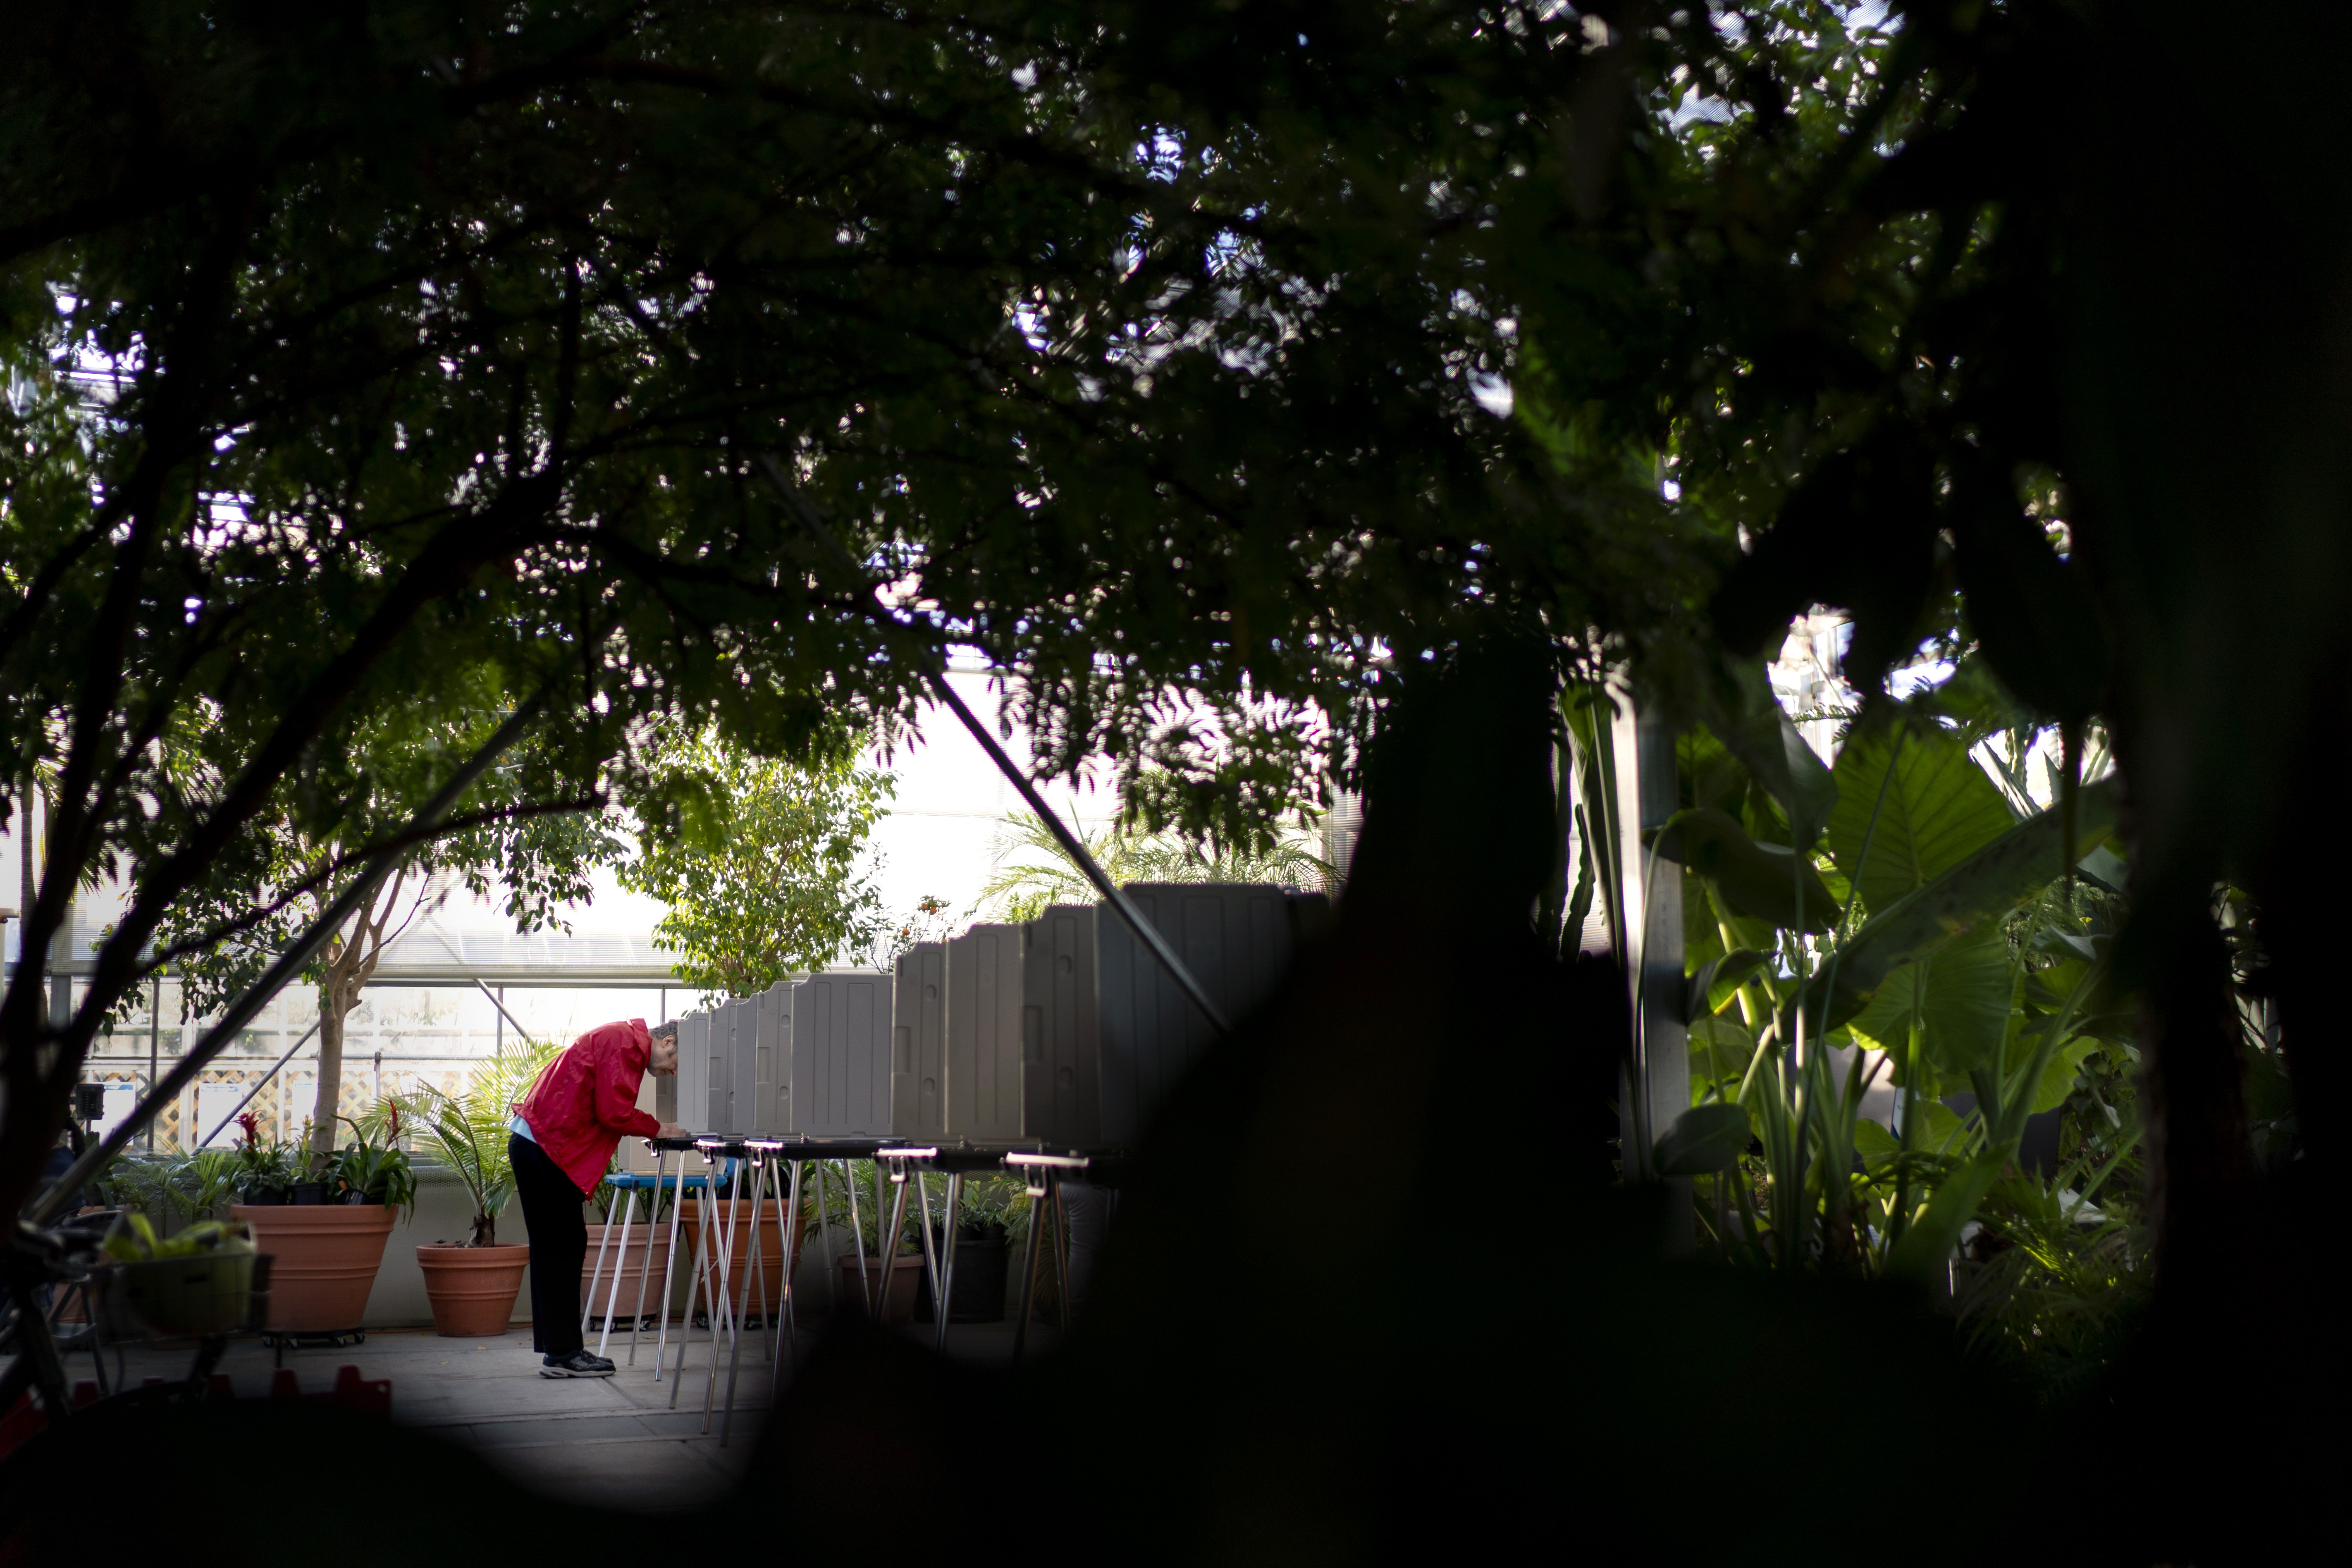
[264, 1170]
[375, 1169]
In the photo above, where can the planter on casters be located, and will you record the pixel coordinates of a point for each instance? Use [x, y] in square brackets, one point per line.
[472, 1288]
[325, 1262]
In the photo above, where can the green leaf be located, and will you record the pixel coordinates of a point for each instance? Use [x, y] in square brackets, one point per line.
[1938, 809]
[1971, 986]
[1875, 1144]
[1710, 989]
[2058, 1077]
[1720, 1050]
[1759, 881]
[1936, 1122]
[1927, 1247]
[1702, 1139]
[1986, 884]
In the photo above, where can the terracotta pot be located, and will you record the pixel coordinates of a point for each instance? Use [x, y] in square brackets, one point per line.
[325, 1258]
[473, 1288]
[903, 1284]
[771, 1256]
[643, 1262]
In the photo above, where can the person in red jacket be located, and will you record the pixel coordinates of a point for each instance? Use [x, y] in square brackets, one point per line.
[560, 1143]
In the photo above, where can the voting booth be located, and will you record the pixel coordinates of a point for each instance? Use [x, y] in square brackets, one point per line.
[918, 1042]
[772, 1062]
[983, 1035]
[841, 1055]
[694, 1071]
[1238, 940]
[1061, 1030]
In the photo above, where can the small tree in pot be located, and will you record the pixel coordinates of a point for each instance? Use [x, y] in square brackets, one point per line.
[473, 1284]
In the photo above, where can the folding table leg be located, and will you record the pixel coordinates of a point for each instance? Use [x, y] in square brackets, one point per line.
[887, 1245]
[735, 1356]
[588, 1296]
[637, 1320]
[825, 1240]
[758, 1265]
[788, 1235]
[722, 1296]
[858, 1235]
[669, 1260]
[947, 1273]
[930, 1259]
[1062, 1256]
[620, 1261]
[1038, 1195]
[694, 1283]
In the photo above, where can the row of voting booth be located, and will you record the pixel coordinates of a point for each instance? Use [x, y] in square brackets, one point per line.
[1060, 1033]
[1036, 1048]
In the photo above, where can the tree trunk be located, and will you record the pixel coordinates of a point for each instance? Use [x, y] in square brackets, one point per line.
[331, 1074]
[351, 961]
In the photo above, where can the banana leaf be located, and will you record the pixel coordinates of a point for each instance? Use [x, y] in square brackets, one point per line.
[1983, 887]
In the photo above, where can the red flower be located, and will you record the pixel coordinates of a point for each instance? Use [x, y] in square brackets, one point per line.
[392, 1126]
[252, 1125]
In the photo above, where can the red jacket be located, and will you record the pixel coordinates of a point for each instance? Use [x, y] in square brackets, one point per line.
[585, 1100]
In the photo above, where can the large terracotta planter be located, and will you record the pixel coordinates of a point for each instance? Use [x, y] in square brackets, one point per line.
[644, 1262]
[472, 1288]
[771, 1253]
[324, 1259]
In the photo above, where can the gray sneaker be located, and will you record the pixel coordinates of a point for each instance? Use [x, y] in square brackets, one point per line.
[579, 1363]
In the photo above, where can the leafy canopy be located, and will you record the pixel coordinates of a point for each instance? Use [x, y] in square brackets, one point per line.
[762, 861]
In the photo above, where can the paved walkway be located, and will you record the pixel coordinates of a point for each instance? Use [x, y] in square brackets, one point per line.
[615, 1441]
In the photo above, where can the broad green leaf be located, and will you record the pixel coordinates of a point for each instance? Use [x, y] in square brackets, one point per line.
[1926, 1246]
[1938, 809]
[1759, 881]
[1971, 984]
[1936, 1122]
[1703, 1138]
[1986, 884]
[1875, 1144]
[2058, 1078]
[1720, 1049]
[1710, 988]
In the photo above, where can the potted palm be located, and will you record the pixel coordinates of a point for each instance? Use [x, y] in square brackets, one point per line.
[472, 1284]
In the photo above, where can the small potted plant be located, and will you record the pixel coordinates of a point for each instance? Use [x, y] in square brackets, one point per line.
[472, 1284]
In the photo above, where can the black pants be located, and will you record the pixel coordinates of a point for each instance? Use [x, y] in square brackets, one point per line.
[559, 1245]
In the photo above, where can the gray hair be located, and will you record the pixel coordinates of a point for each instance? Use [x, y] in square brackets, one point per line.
[664, 1030]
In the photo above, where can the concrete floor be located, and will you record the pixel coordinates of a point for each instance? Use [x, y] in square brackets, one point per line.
[614, 1441]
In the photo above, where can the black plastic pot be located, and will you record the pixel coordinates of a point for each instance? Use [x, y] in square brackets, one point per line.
[266, 1197]
[977, 1294]
[308, 1193]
